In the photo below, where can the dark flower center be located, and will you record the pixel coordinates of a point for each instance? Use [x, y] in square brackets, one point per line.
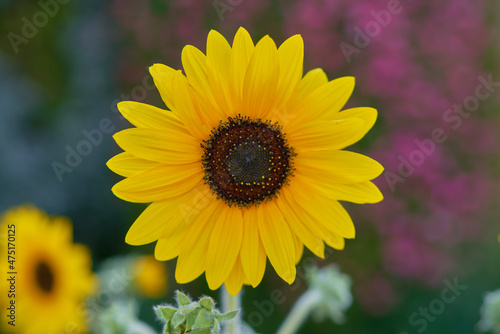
[44, 276]
[246, 161]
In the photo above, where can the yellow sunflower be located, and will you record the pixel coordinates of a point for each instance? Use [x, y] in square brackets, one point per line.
[150, 276]
[247, 164]
[49, 275]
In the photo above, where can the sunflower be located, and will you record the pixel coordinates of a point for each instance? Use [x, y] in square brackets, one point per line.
[150, 276]
[52, 274]
[247, 164]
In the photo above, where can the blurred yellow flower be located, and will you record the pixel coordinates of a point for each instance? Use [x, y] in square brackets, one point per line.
[150, 276]
[51, 277]
[248, 164]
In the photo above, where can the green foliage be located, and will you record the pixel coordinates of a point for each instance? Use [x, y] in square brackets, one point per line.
[191, 317]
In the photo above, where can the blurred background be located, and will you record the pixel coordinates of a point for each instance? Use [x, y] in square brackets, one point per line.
[431, 68]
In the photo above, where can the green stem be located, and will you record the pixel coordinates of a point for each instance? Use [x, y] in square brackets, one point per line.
[231, 303]
[300, 311]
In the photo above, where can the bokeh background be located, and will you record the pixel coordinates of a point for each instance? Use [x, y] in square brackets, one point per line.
[418, 66]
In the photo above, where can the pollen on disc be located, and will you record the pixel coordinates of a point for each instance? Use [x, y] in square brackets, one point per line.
[246, 161]
[249, 162]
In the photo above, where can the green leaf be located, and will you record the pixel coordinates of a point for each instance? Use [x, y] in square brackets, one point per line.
[182, 299]
[189, 307]
[190, 320]
[200, 331]
[207, 303]
[227, 316]
[216, 327]
[164, 313]
[178, 319]
[166, 328]
[204, 319]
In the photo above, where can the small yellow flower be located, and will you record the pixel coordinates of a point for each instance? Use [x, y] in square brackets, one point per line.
[150, 276]
[249, 163]
[53, 274]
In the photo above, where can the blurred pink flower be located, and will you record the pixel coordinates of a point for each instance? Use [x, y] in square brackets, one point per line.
[320, 23]
[408, 257]
[376, 294]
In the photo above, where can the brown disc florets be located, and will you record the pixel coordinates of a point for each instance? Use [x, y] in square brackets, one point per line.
[44, 277]
[246, 162]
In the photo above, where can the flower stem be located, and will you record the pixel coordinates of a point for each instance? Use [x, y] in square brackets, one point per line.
[231, 303]
[300, 311]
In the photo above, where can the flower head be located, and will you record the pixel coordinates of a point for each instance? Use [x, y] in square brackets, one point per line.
[53, 274]
[150, 276]
[248, 164]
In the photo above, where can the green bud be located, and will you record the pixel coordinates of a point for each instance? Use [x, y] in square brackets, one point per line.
[178, 319]
[164, 312]
[192, 317]
[120, 318]
[490, 313]
[334, 287]
[182, 299]
[207, 303]
[204, 319]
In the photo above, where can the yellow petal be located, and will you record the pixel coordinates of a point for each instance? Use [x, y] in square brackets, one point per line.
[291, 64]
[240, 57]
[300, 228]
[234, 281]
[261, 79]
[329, 213]
[277, 240]
[160, 145]
[187, 106]
[193, 256]
[369, 115]
[331, 238]
[361, 193]
[169, 247]
[309, 83]
[334, 241]
[149, 225]
[163, 218]
[337, 166]
[321, 135]
[327, 99]
[218, 60]
[195, 65]
[125, 164]
[299, 248]
[159, 183]
[146, 116]
[252, 253]
[224, 246]
[61, 229]
[163, 77]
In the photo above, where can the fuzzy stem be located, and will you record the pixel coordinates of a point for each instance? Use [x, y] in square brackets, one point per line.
[300, 311]
[231, 303]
